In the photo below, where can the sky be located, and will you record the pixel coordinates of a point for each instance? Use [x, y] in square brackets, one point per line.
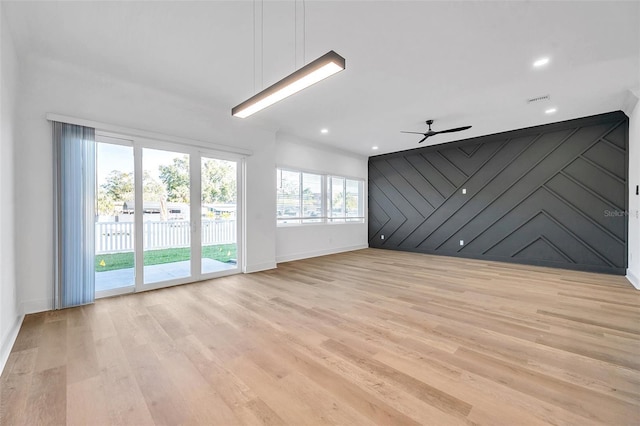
[120, 157]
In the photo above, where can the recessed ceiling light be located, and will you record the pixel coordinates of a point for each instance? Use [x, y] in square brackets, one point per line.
[324, 131]
[541, 62]
[550, 110]
[374, 148]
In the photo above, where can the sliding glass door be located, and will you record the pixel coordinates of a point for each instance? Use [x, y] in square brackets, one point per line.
[165, 215]
[219, 197]
[114, 224]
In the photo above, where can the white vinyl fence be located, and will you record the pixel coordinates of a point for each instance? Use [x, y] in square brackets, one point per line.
[114, 237]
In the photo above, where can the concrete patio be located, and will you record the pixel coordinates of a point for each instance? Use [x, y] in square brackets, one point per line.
[155, 273]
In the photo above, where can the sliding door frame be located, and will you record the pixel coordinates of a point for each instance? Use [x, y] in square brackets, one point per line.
[122, 140]
[240, 216]
[196, 153]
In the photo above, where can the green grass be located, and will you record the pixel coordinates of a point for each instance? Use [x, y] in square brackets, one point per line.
[221, 252]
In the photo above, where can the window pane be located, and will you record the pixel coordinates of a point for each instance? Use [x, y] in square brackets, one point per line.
[288, 202]
[312, 197]
[219, 215]
[353, 199]
[115, 260]
[337, 197]
[166, 207]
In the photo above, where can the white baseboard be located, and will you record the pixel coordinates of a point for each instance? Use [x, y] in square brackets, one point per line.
[36, 305]
[633, 279]
[259, 267]
[316, 253]
[6, 344]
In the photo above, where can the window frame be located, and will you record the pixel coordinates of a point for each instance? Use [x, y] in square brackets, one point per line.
[345, 217]
[326, 216]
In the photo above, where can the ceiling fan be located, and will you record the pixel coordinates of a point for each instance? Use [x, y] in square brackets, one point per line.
[433, 133]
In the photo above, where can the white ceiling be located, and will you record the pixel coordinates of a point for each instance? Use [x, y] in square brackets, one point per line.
[459, 63]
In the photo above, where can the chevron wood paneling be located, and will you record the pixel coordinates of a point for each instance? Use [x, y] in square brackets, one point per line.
[553, 195]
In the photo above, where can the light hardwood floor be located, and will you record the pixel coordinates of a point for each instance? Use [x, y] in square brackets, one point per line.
[366, 337]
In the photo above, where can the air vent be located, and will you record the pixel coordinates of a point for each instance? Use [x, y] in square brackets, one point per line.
[539, 98]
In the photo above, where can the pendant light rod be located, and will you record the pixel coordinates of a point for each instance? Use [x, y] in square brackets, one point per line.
[295, 34]
[315, 71]
[299, 34]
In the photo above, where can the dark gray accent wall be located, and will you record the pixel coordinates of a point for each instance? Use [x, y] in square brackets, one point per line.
[552, 195]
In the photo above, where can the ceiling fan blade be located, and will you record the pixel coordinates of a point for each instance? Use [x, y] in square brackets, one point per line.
[457, 129]
[423, 139]
[417, 133]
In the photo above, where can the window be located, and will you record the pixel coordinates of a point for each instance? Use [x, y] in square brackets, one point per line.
[315, 198]
[336, 197]
[311, 197]
[346, 200]
[288, 195]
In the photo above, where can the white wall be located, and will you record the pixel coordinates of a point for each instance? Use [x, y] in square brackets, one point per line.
[260, 202]
[10, 318]
[633, 270]
[303, 241]
[51, 87]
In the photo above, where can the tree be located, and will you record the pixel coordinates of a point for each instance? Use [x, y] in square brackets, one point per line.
[117, 189]
[118, 186]
[176, 179]
[218, 184]
[218, 181]
[152, 189]
[104, 203]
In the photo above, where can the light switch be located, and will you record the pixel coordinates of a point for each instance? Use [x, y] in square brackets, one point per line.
[464, 190]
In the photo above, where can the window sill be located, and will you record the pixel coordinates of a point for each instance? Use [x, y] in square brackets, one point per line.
[354, 221]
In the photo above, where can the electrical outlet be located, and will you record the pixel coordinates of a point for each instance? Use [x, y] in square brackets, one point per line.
[464, 190]
[382, 237]
[461, 242]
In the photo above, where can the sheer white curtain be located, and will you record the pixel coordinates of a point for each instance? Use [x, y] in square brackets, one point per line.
[75, 194]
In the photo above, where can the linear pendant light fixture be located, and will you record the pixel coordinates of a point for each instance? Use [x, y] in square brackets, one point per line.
[323, 67]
